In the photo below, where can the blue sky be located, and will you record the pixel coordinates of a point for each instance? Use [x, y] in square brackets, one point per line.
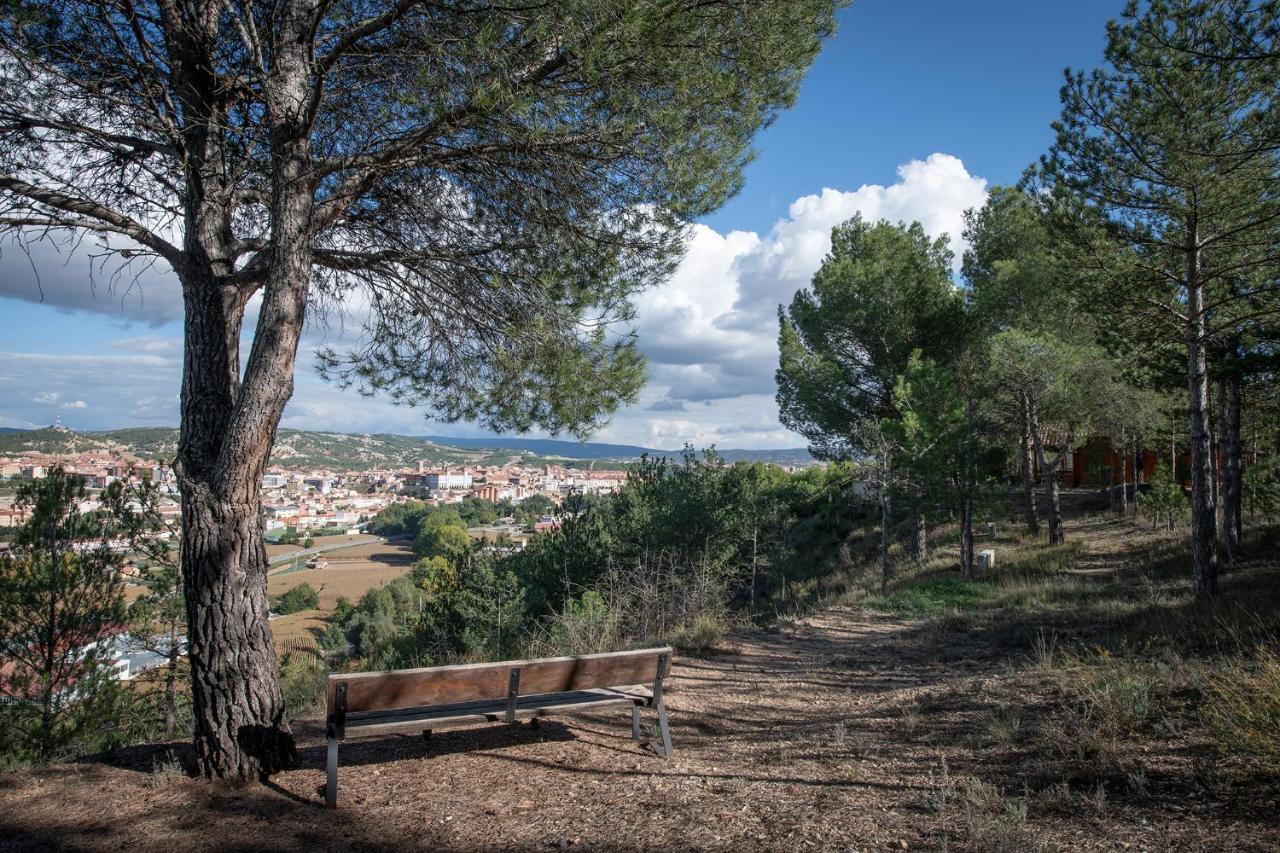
[912, 111]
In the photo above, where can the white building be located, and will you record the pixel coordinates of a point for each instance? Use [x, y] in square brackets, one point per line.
[449, 480]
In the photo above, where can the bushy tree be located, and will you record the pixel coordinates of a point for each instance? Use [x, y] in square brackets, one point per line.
[883, 292]
[1064, 382]
[296, 599]
[492, 605]
[61, 605]
[492, 182]
[938, 445]
[443, 537]
[1163, 500]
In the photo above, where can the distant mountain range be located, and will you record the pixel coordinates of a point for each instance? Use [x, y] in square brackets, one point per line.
[347, 452]
[619, 452]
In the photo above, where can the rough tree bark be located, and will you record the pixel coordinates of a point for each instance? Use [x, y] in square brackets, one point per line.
[228, 429]
[1050, 472]
[1124, 473]
[920, 539]
[886, 571]
[1137, 473]
[1204, 541]
[1031, 513]
[966, 537]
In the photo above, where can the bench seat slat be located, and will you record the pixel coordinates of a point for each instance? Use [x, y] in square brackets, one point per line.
[444, 685]
[372, 723]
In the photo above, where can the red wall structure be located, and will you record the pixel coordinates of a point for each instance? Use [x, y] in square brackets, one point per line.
[1096, 461]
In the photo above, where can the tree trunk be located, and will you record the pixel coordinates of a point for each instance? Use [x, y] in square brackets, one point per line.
[920, 540]
[885, 570]
[1204, 543]
[1056, 536]
[1137, 472]
[1028, 471]
[1050, 473]
[228, 429]
[1232, 484]
[171, 683]
[1124, 474]
[1214, 422]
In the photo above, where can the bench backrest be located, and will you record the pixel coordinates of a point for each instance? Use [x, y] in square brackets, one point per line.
[447, 685]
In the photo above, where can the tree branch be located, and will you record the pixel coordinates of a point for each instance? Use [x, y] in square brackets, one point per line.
[100, 218]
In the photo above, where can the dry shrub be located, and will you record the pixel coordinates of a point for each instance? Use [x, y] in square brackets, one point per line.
[987, 818]
[1004, 726]
[1242, 705]
[700, 637]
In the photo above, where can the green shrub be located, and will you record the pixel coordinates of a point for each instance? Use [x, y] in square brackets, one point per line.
[301, 597]
[584, 626]
[1163, 500]
[1261, 492]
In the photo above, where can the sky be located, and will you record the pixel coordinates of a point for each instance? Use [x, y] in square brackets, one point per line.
[912, 112]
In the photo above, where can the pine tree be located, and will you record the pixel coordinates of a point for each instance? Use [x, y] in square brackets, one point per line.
[61, 604]
[1164, 170]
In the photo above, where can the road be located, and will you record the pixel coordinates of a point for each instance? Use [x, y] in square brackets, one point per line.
[305, 554]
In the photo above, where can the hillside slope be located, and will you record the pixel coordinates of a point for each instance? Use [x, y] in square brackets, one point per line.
[348, 451]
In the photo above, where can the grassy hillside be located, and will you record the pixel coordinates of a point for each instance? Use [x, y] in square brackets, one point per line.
[349, 452]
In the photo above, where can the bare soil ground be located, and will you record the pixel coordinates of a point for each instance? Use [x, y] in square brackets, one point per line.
[850, 730]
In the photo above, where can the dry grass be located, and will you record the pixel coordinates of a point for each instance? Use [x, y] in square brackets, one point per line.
[375, 552]
[349, 581]
[1058, 711]
[298, 630]
[351, 572]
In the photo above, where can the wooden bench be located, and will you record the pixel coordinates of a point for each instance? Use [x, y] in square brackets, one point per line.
[362, 704]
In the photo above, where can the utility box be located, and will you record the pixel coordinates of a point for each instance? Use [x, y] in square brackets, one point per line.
[986, 559]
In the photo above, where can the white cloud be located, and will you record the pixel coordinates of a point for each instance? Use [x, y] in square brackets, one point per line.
[711, 332]
[81, 276]
[153, 344]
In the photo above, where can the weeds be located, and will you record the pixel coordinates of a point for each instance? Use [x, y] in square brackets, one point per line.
[1242, 705]
[1004, 727]
[701, 637]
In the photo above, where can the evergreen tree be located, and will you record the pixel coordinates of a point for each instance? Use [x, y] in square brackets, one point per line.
[61, 605]
[157, 620]
[493, 182]
[1164, 169]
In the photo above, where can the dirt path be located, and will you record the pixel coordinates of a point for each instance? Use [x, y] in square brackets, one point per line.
[844, 732]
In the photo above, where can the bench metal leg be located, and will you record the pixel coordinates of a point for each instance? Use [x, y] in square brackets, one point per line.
[331, 781]
[664, 730]
[635, 723]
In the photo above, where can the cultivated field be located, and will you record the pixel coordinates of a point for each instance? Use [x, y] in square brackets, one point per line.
[374, 550]
[274, 550]
[297, 630]
[350, 573]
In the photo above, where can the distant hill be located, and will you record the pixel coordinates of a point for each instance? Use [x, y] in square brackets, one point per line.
[346, 452]
[622, 452]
